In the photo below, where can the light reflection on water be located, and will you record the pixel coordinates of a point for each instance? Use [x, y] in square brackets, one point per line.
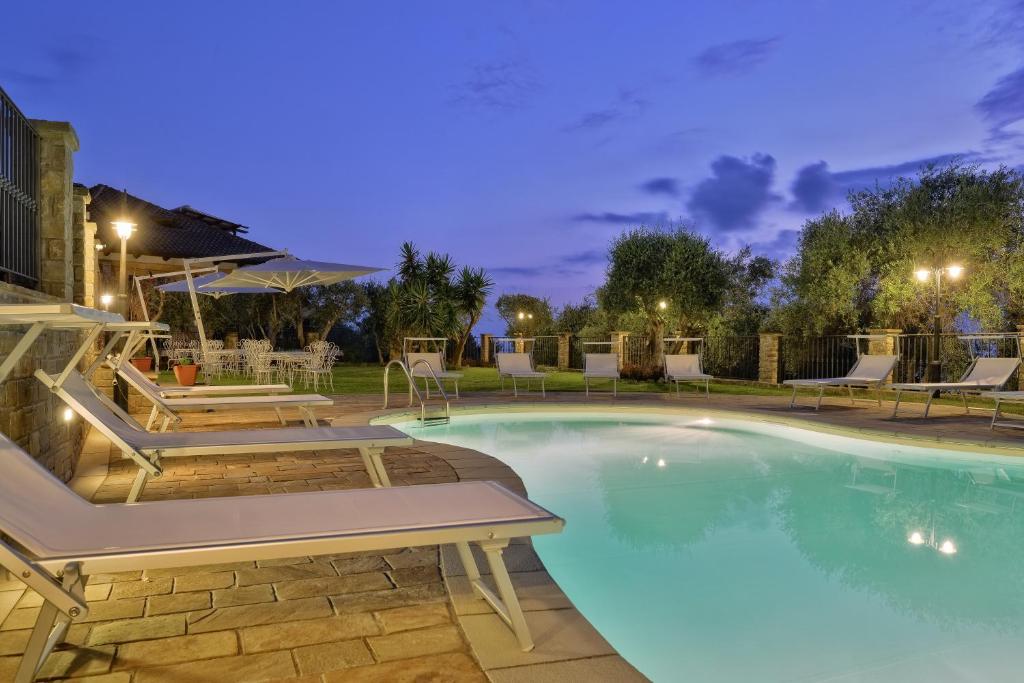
[741, 551]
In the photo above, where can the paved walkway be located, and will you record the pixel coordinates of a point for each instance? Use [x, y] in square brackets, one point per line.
[368, 616]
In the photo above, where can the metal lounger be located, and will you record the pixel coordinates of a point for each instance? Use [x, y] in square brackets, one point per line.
[871, 371]
[54, 548]
[518, 366]
[601, 366]
[686, 367]
[982, 375]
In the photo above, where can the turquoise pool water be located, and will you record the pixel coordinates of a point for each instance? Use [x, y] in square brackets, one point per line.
[733, 550]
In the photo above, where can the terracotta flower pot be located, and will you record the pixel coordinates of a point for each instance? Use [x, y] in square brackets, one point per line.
[144, 364]
[186, 374]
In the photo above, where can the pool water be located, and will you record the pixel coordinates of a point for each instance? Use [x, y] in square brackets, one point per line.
[734, 550]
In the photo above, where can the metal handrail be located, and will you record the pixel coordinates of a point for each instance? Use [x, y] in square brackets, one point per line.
[413, 389]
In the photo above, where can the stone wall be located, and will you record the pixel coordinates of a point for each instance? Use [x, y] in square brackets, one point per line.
[768, 358]
[57, 145]
[29, 414]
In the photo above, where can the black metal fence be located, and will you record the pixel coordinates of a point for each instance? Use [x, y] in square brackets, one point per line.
[732, 357]
[815, 357]
[954, 352]
[19, 196]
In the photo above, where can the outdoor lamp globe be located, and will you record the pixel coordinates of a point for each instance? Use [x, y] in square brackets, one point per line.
[123, 229]
[954, 271]
[923, 274]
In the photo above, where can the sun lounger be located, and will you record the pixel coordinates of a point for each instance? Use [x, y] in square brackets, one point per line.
[518, 366]
[429, 366]
[871, 371]
[54, 540]
[601, 366]
[147, 449]
[1000, 398]
[168, 408]
[686, 367]
[983, 375]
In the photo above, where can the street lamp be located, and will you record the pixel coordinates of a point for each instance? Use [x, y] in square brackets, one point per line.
[947, 547]
[106, 300]
[123, 228]
[923, 275]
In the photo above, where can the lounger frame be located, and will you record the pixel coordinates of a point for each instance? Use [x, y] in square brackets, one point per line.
[964, 388]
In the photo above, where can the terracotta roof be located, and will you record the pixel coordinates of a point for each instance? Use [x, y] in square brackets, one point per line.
[165, 233]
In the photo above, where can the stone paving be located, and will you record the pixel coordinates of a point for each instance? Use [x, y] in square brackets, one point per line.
[368, 616]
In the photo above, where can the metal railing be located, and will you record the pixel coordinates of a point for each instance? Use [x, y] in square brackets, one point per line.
[732, 357]
[415, 391]
[19, 196]
[815, 357]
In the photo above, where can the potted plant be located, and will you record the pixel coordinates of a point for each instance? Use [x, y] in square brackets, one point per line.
[143, 362]
[185, 372]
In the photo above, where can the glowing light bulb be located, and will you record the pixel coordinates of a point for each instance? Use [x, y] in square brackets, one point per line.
[663, 304]
[947, 548]
[123, 228]
[522, 316]
[954, 271]
[916, 538]
[923, 275]
[106, 299]
[68, 414]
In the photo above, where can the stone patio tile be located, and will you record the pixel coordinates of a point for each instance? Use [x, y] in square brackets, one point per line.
[100, 611]
[456, 667]
[609, 668]
[248, 668]
[312, 570]
[332, 585]
[315, 659]
[416, 616]
[115, 577]
[415, 557]
[427, 641]
[130, 630]
[310, 632]
[177, 602]
[414, 576]
[175, 650]
[115, 677]
[199, 569]
[249, 595]
[13, 642]
[558, 635]
[141, 589]
[284, 561]
[396, 597]
[77, 662]
[256, 615]
[359, 565]
[204, 582]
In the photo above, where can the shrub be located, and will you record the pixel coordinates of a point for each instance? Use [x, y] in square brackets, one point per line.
[641, 373]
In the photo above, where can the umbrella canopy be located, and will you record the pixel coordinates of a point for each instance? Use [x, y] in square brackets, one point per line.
[211, 284]
[289, 272]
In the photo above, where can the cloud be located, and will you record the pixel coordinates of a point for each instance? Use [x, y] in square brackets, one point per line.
[1003, 105]
[736, 193]
[648, 218]
[735, 58]
[586, 258]
[627, 105]
[567, 266]
[60, 64]
[667, 186]
[817, 189]
[498, 86]
[782, 246]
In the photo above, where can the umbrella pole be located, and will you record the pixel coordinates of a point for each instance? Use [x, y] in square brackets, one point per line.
[195, 309]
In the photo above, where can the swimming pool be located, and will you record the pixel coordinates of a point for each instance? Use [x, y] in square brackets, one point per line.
[734, 550]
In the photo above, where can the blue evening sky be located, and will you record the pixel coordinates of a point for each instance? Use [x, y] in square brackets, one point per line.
[518, 136]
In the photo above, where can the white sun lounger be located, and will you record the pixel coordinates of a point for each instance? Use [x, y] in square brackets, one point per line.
[1005, 397]
[518, 366]
[983, 375]
[147, 449]
[601, 366]
[686, 367]
[54, 540]
[428, 366]
[871, 371]
[168, 408]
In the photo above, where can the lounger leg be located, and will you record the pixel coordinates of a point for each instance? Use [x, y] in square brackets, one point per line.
[928, 403]
[138, 486]
[280, 416]
[543, 393]
[308, 418]
[995, 416]
[879, 395]
[896, 405]
[515, 388]
[821, 394]
[850, 387]
[165, 423]
[50, 628]
[468, 562]
[456, 389]
[152, 418]
[513, 611]
[615, 388]
[967, 408]
[707, 388]
[375, 466]
[792, 400]
[586, 385]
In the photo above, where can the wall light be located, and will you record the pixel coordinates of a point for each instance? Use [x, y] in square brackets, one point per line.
[106, 300]
[68, 414]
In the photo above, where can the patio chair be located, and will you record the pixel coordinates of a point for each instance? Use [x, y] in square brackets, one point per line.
[686, 367]
[417, 362]
[871, 371]
[148, 449]
[1000, 398]
[983, 375]
[56, 546]
[518, 366]
[601, 366]
[168, 408]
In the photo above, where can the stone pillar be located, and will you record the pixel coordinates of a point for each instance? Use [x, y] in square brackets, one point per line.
[884, 347]
[57, 145]
[564, 346]
[768, 357]
[520, 345]
[85, 261]
[231, 340]
[485, 349]
[619, 345]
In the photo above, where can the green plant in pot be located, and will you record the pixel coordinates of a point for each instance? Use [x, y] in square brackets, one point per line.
[185, 372]
[142, 361]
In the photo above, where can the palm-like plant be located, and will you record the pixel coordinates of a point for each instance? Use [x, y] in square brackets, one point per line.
[472, 288]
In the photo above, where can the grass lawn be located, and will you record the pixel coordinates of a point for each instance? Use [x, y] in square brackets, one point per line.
[369, 379]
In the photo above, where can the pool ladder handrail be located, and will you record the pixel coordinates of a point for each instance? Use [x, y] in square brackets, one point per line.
[413, 389]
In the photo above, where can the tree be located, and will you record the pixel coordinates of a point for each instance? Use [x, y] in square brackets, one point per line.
[525, 315]
[471, 290]
[665, 278]
[574, 318]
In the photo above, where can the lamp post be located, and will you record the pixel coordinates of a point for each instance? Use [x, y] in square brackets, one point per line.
[923, 275]
[124, 230]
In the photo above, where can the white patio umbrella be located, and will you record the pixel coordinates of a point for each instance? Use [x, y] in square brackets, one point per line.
[212, 285]
[288, 272]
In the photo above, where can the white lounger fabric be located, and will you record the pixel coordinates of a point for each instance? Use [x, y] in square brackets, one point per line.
[169, 407]
[54, 540]
[686, 367]
[518, 366]
[204, 390]
[147, 447]
[981, 375]
[601, 366]
[871, 371]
